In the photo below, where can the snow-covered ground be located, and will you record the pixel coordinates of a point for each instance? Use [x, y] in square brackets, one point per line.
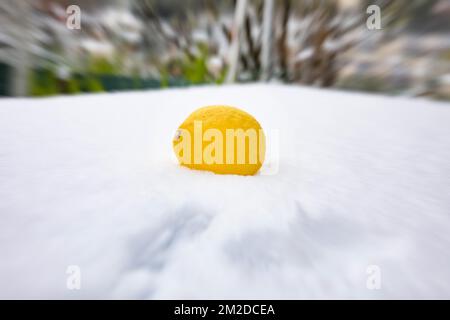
[90, 181]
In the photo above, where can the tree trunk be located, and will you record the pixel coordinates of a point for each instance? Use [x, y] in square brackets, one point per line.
[20, 80]
[267, 38]
[238, 23]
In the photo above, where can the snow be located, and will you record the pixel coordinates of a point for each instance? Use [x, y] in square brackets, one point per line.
[90, 181]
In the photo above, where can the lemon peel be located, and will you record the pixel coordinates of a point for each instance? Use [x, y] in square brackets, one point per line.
[221, 139]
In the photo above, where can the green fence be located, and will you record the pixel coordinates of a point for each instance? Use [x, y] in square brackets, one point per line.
[5, 80]
[44, 82]
[120, 83]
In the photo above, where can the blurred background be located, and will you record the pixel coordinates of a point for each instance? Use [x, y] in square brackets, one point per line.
[151, 44]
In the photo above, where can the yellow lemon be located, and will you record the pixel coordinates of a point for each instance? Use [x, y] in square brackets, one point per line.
[221, 139]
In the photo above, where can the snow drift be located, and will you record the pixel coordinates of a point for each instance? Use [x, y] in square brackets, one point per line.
[90, 181]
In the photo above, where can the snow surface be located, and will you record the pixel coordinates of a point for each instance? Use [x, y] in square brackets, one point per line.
[90, 181]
